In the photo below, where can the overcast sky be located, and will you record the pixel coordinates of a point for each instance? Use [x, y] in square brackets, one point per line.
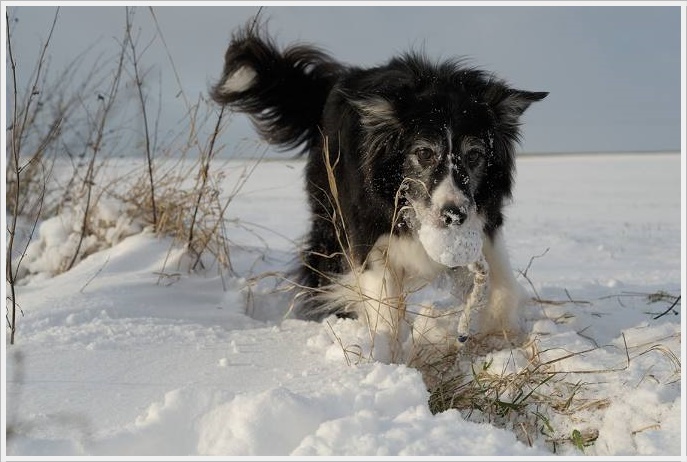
[613, 73]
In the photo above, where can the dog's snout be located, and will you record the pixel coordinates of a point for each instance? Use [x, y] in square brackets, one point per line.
[452, 215]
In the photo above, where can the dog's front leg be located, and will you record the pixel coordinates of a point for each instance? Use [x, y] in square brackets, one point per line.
[477, 297]
[506, 296]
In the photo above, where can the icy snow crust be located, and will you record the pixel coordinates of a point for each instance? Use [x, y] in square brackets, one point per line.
[129, 354]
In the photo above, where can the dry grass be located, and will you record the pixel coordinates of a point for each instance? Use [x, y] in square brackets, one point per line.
[52, 124]
[519, 397]
[537, 397]
[193, 212]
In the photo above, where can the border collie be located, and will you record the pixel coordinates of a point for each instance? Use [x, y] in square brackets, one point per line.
[409, 165]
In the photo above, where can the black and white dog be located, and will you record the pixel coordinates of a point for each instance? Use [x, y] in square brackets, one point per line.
[393, 151]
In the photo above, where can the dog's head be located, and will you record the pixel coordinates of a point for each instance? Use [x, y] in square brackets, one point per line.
[438, 140]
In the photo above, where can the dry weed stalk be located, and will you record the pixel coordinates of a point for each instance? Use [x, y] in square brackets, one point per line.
[201, 186]
[96, 145]
[144, 113]
[21, 120]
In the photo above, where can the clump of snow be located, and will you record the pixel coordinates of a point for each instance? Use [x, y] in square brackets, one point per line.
[269, 423]
[452, 246]
[60, 239]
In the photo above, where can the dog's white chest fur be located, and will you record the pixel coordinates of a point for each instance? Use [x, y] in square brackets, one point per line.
[399, 266]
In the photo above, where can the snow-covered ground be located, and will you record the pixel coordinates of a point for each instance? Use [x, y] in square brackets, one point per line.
[129, 354]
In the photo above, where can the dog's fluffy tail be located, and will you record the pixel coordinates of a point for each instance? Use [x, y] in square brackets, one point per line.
[284, 91]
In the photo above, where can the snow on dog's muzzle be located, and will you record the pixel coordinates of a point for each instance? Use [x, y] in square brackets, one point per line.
[453, 244]
[449, 228]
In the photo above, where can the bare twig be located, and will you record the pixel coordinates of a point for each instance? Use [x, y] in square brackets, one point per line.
[677, 300]
[95, 275]
[96, 145]
[34, 87]
[203, 178]
[18, 128]
[529, 265]
[144, 113]
[15, 156]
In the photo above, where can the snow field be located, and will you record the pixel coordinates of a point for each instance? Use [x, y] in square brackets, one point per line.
[128, 353]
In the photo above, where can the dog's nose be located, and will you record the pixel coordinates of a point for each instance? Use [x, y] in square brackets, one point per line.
[452, 215]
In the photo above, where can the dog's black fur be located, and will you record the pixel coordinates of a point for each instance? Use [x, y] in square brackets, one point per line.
[391, 133]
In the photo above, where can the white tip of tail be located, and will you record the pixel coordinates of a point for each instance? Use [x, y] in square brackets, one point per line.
[239, 80]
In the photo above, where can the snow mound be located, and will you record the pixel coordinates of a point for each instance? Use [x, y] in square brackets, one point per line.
[60, 239]
[375, 409]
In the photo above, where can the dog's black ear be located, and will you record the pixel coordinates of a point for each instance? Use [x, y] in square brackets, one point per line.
[517, 101]
[375, 112]
[510, 103]
[380, 125]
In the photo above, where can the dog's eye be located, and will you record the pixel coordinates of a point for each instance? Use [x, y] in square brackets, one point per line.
[425, 156]
[474, 157]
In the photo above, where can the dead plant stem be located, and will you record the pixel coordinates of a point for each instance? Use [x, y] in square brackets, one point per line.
[204, 173]
[96, 146]
[144, 113]
[15, 157]
[16, 143]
